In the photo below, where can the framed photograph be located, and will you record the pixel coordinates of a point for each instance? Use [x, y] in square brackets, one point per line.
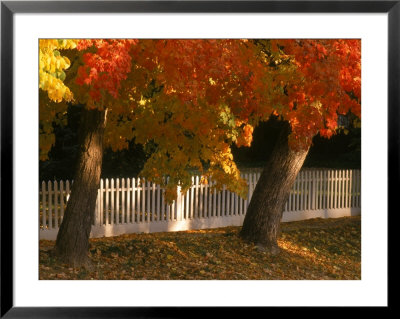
[364, 30]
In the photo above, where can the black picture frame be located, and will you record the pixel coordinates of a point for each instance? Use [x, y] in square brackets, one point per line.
[9, 8]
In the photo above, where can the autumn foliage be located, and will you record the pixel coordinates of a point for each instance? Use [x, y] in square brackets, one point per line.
[313, 249]
[191, 99]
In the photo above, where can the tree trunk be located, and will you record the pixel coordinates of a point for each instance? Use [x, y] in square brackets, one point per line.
[261, 225]
[72, 244]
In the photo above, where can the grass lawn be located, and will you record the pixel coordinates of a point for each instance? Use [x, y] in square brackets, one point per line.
[311, 249]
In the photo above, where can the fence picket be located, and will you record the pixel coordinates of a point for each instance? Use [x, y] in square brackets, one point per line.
[210, 200]
[112, 194]
[232, 206]
[123, 203]
[321, 190]
[206, 210]
[326, 183]
[340, 192]
[174, 209]
[148, 209]
[214, 210]
[305, 190]
[308, 189]
[313, 189]
[346, 197]
[107, 195]
[333, 189]
[349, 189]
[158, 203]
[334, 185]
[133, 201]
[178, 204]
[194, 194]
[194, 197]
[128, 200]
[346, 191]
[117, 203]
[142, 199]
[101, 203]
[314, 205]
[330, 189]
[216, 202]
[50, 194]
[343, 189]
[351, 186]
[316, 189]
[356, 188]
[223, 201]
[201, 211]
[44, 205]
[153, 201]
[338, 189]
[136, 200]
[191, 200]
[228, 203]
[163, 213]
[185, 205]
[55, 185]
[341, 183]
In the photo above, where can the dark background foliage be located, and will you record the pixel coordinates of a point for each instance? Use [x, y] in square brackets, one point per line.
[340, 151]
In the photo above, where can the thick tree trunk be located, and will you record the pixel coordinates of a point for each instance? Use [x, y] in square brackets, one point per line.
[72, 242]
[261, 225]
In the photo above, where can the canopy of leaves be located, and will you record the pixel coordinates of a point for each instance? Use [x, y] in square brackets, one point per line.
[52, 67]
[189, 100]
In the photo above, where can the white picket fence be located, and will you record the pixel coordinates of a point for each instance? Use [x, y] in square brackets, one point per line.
[132, 205]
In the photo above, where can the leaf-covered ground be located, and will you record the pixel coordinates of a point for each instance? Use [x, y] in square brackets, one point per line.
[311, 249]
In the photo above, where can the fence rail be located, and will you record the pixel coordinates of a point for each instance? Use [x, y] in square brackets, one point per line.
[129, 205]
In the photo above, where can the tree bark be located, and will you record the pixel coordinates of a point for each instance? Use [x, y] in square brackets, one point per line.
[261, 225]
[72, 244]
